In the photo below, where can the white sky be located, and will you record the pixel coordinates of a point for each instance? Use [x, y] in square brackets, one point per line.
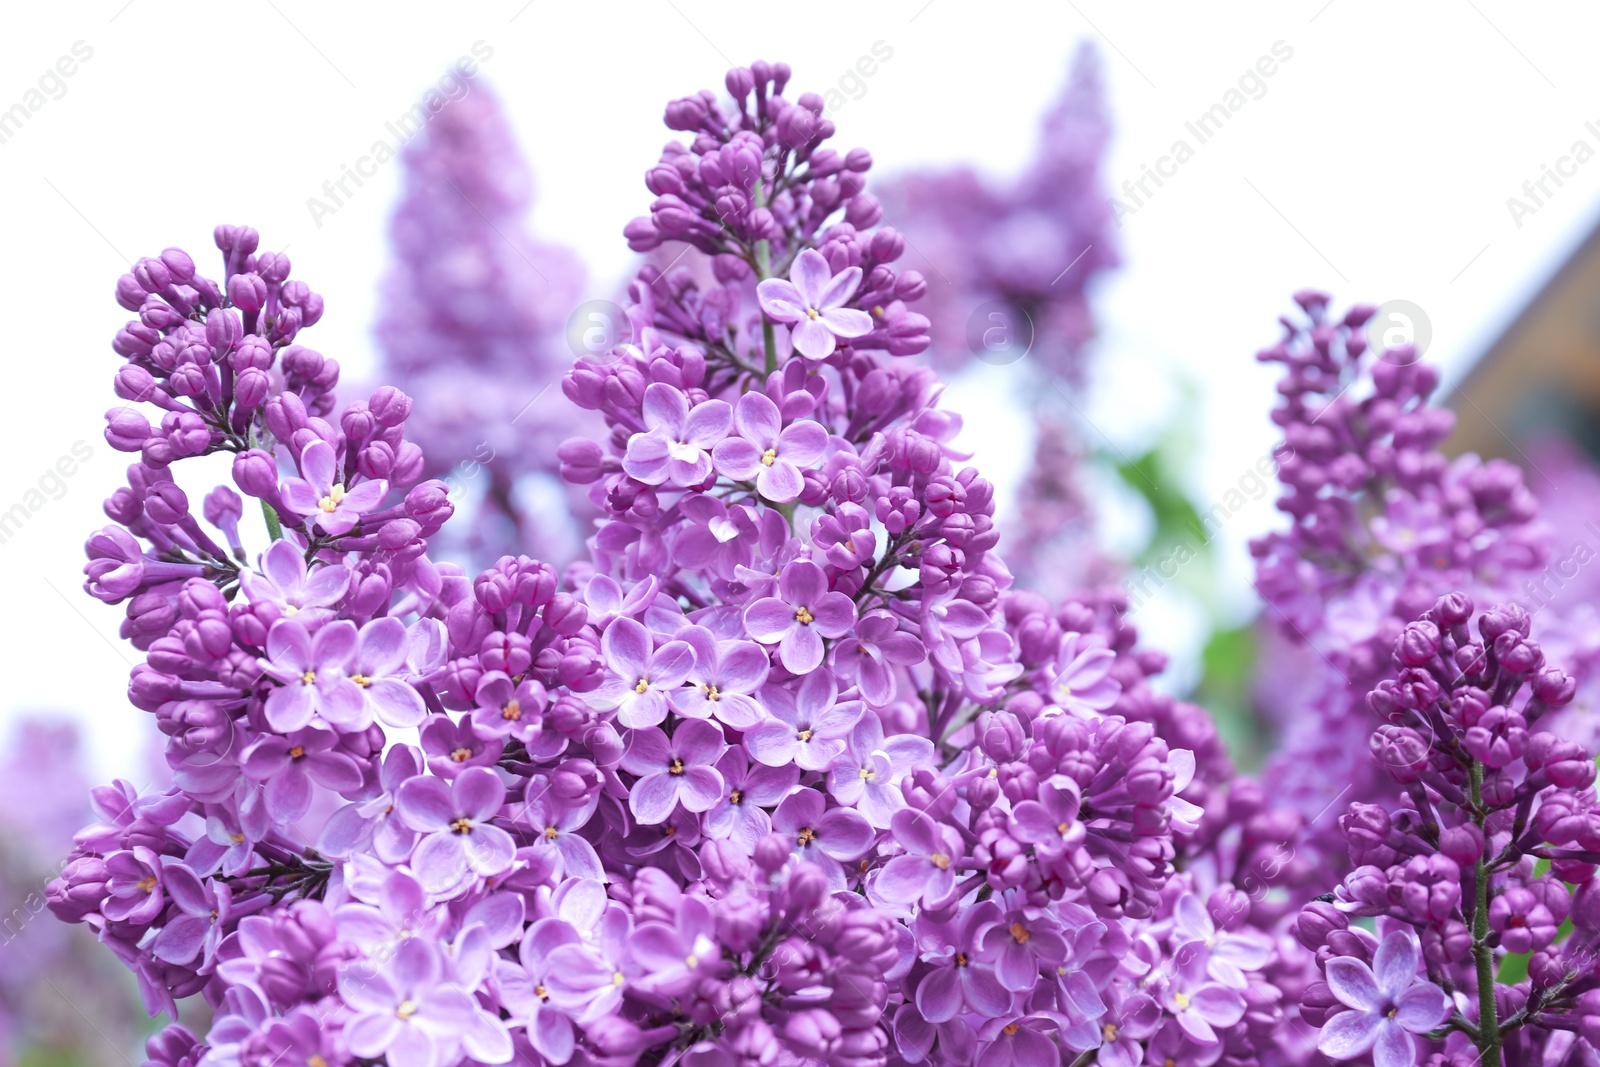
[1377, 164]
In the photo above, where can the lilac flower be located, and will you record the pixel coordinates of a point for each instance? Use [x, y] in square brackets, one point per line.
[675, 446]
[807, 728]
[453, 747]
[319, 495]
[813, 298]
[1019, 1041]
[762, 449]
[1230, 953]
[1083, 684]
[748, 790]
[674, 770]
[1051, 822]
[800, 616]
[378, 668]
[1024, 940]
[1201, 1005]
[1387, 1002]
[555, 826]
[288, 767]
[924, 874]
[206, 912]
[525, 989]
[589, 980]
[134, 881]
[400, 912]
[515, 709]
[871, 655]
[679, 955]
[959, 979]
[826, 838]
[458, 839]
[867, 775]
[373, 821]
[302, 594]
[314, 676]
[725, 677]
[640, 677]
[410, 1015]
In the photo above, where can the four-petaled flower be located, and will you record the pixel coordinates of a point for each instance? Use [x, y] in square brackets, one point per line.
[459, 840]
[1388, 1002]
[675, 446]
[321, 497]
[762, 449]
[641, 676]
[673, 770]
[812, 302]
[313, 671]
[800, 616]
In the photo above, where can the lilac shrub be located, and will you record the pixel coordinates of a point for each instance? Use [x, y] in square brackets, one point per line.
[785, 772]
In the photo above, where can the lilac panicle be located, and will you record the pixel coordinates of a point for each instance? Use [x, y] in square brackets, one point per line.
[474, 316]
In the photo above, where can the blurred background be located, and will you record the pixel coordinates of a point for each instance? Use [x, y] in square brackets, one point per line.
[1111, 205]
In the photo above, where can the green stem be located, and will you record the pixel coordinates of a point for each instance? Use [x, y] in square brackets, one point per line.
[769, 339]
[274, 528]
[1488, 1026]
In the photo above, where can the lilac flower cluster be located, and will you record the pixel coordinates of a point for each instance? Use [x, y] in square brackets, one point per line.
[1035, 246]
[1487, 858]
[784, 773]
[1383, 524]
[473, 316]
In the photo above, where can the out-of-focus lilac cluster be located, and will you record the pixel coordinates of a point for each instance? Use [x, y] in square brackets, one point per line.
[1383, 523]
[1028, 252]
[48, 974]
[1010, 273]
[474, 316]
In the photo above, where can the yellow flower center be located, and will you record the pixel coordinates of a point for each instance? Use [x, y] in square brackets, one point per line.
[691, 961]
[237, 839]
[867, 773]
[941, 861]
[1012, 1028]
[642, 687]
[362, 680]
[406, 1010]
[806, 836]
[804, 735]
[676, 767]
[803, 616]
[551, 833]
[316, 1061]
[461, 755]
[1181, 1000]
[512, 710]
[148, 883]
[331, 501]
[736, 796]
[1110, 1031]
[308, 678]
[297, 751]
[770, 456]
[1020, 932]
[961, 959]
[462, 825]
[618, 978]
[712, 692]
[813, 313]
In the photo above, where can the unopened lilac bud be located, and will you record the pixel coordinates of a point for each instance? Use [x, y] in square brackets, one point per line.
[256, 473]
[248, 292]
[773, 851]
